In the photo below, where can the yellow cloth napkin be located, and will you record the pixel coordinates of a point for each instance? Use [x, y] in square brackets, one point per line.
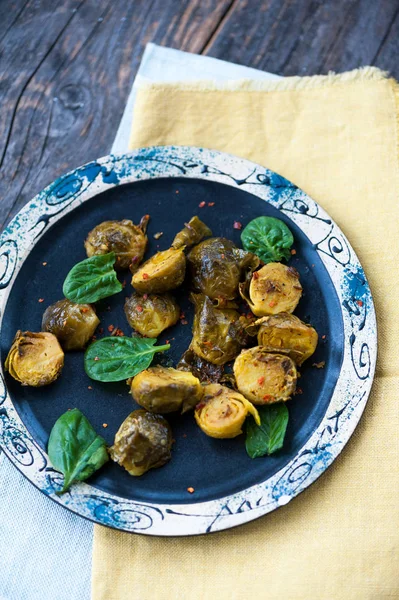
[337, 138]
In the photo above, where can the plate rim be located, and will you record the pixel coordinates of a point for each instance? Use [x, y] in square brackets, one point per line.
[358, 317]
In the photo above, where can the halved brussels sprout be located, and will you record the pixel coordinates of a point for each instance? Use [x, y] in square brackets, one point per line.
[72, 324]
[218, 333]
[199, 367]
[151, 314]
[162, 272]
[35, 359]
[263, 377]
[287, 334]
[222, 411]
[164, 390]
[194, 231]
[217, 267]
[127, 240]
[143, 442]
[275, 288]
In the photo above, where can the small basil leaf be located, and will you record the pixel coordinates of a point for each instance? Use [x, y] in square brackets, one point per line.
[269, 436]
[92, 279]
[75, 449]
[268, 238]
[117, 358]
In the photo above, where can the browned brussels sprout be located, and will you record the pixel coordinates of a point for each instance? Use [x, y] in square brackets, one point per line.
[275, 288]
[162, 272]
[127, 240]
[151, 314]
[143, 442]
[194, 231]
[199, 367]
[217, 267]
[263, 377]
[222, 411]
[72, 324]
[287, 334]
[218, 333]
[35, 359]
[164, 390]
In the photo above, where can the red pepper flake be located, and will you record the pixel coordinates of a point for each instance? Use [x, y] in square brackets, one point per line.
[84, 310]
[177, 192]
[139, 308]
[146, 276]
[145, 296]
[110, 328]
[293, 251]
[255, 275]
[117, 332]
[182, 315]
[101, 330]
[202, 204]
[312, 265]
[323, 337]
[272, 303]
[223, 256]
[41, 300]
[267, 397]
[96, 358]
[89, 387]
[237, 225]
[105, 425]
[200, 405]
[211, 204]
[44, 264]
[261, 380]
[93, 338]
[166, 341]
[134, 260]
[184, 322]
[298, 391]
[124, 283]
[190, 490]
[359, 302]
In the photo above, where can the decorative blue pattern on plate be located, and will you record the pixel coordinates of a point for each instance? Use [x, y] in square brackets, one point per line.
[351, 389]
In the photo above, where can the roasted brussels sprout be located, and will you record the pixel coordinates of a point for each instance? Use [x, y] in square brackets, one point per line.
[127, 240]
[151, 314]
[199, 367]
[287, 334]
[217, 267]
[162, 272]
[35, 359]
[263, 377]
[222, 411]
[194, 231]
[164, 390]
[143, 442]
[275, 288]
[72, 324]
[218, 333]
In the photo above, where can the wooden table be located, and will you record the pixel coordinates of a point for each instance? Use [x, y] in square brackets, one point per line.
[67, 66]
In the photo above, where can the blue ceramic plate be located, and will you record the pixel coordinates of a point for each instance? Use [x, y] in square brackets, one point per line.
[169, 183]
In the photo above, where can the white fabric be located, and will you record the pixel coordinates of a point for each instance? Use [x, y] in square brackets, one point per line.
[45, 550]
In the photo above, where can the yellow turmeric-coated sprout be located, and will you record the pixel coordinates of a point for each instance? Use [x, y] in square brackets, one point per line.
[275, 288]
[222, 411]
[35, 359]
[263, 377]
[162, 272]
[164, 389]
[287, 334]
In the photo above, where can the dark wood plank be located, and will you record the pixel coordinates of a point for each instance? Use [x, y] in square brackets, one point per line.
[65, 75]
[307, 37]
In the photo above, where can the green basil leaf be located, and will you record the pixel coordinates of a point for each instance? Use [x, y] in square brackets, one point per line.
[75, 449]
[117, 358]
[92, 279]
[268, 238]
[269, 436]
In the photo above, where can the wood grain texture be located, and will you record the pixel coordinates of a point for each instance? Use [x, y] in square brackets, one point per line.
[66, 68]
